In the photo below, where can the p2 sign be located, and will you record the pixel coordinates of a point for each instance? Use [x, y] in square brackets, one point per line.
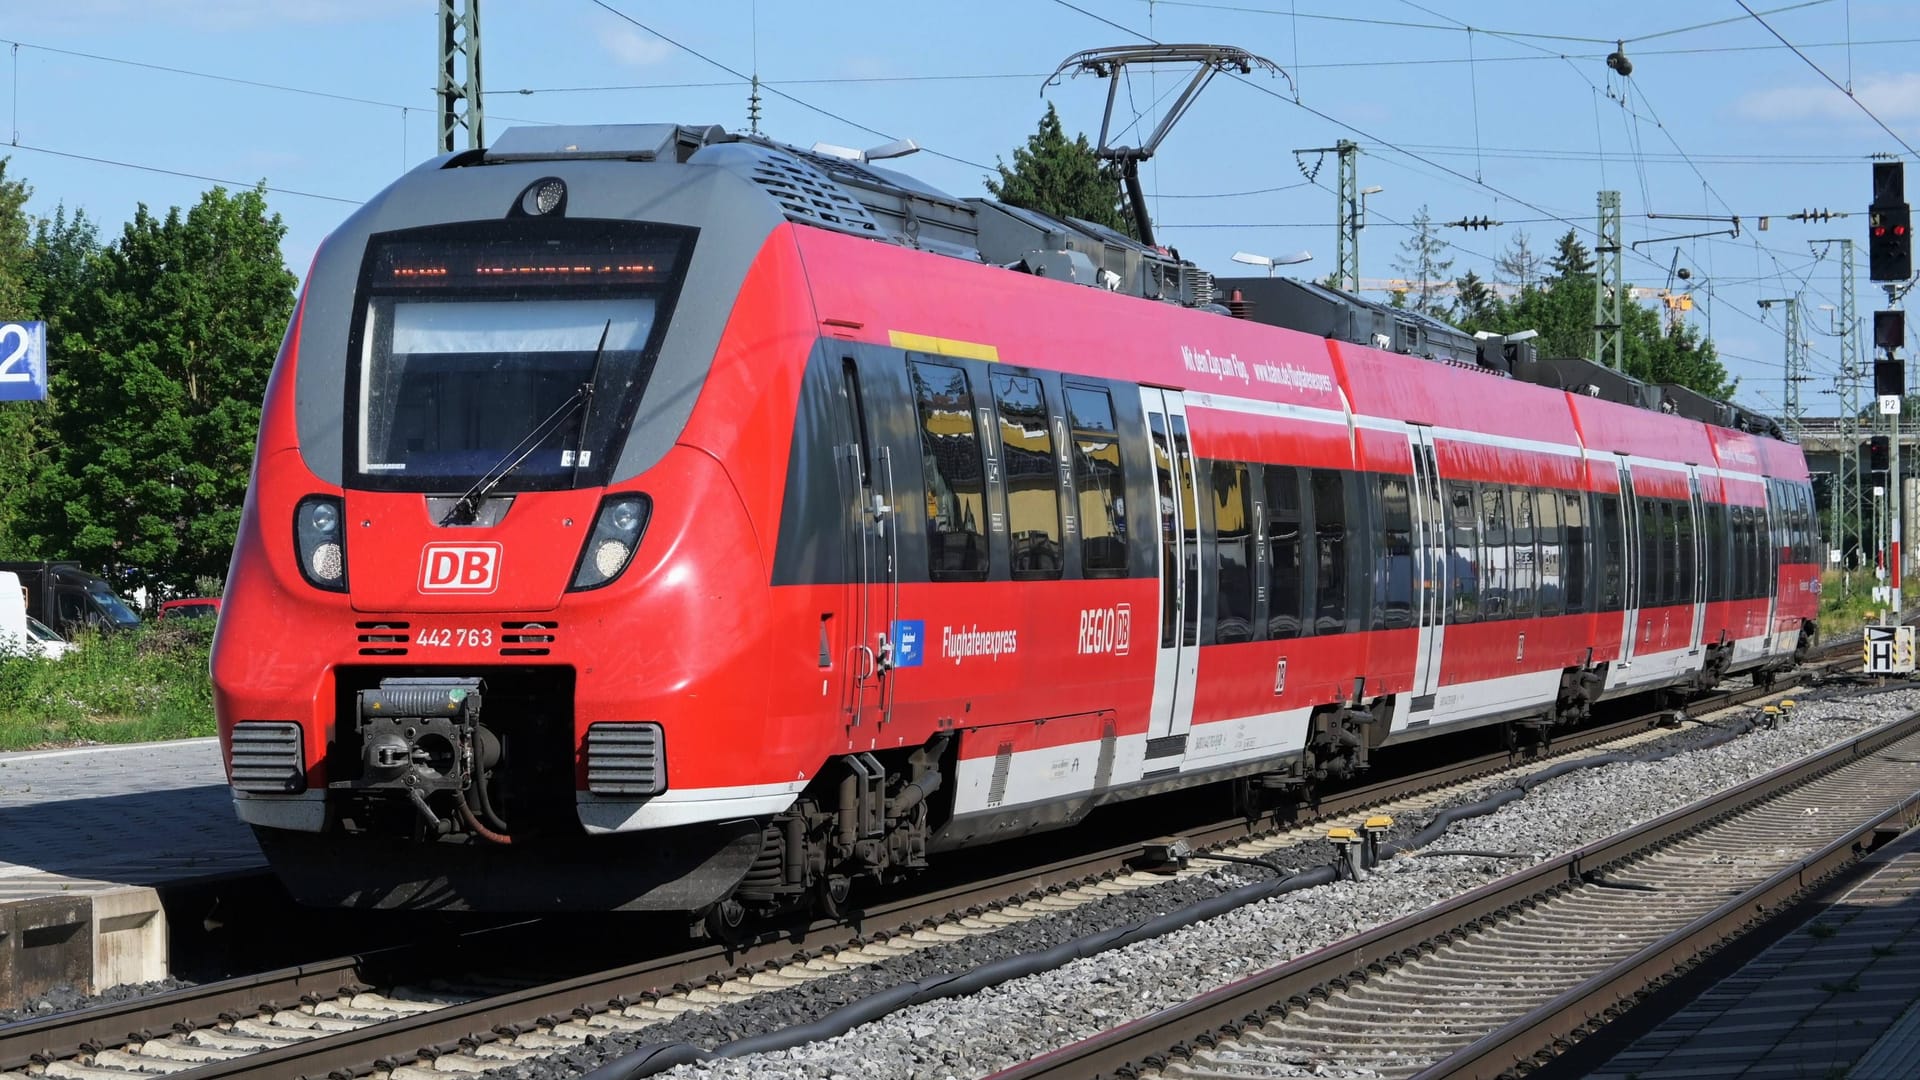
[23, 361]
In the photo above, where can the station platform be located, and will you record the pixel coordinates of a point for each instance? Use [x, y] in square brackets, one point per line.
[1838, 996]
[90, 840]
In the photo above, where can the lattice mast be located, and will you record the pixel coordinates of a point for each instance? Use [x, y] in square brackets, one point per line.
[459, 75]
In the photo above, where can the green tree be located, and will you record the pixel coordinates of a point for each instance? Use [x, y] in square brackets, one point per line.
[63, 251]
[1062, 177]
[1571, 259]
[160, 390]
[1423, 260]
[1562, 311]
[58, 274]
[1474, 302]
[18, 419]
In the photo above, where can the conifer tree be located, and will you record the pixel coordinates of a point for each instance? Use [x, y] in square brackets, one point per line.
[1424, 261]
[1062, 177]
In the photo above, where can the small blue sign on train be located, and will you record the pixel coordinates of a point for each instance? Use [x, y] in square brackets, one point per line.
[909, 642]
[23, 361]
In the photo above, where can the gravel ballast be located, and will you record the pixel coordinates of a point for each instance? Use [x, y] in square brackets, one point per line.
[64, 998]
[1025, 1017]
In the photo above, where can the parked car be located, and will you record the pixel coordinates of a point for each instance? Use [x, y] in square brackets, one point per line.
[190, 607]
[69, 599]
[20, 632]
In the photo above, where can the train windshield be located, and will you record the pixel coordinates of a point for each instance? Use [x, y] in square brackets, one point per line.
[526, 352]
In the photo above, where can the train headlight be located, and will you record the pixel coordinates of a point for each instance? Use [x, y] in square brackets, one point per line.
[617, 529]
[320, 543]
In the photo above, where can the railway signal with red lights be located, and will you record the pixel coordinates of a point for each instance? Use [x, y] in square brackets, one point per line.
[1879, 453]
[1889, 225]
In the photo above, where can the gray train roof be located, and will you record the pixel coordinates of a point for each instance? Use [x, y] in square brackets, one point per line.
[743, 188]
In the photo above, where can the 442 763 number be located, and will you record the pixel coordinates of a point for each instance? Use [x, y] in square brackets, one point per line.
[454, 637]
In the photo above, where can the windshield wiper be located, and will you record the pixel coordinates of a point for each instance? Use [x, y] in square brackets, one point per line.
[467, 508]
[586, 407]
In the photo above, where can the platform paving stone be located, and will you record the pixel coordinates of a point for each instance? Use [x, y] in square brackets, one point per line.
[93, 818]
[1836, 997]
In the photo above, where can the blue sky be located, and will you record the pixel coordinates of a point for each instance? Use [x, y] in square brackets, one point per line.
[1518, 119]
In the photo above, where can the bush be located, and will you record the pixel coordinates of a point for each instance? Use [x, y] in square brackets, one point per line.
[147, 684]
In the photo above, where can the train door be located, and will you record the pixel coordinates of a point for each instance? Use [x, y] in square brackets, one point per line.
[1178, 664]
[871, 557]
[1771, 527]
[1430, 597]
[1631, 630]
[1696, 539]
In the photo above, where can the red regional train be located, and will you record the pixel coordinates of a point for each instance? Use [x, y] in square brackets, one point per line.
[652, 518]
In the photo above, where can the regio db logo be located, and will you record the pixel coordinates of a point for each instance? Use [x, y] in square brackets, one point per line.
[1105, 630]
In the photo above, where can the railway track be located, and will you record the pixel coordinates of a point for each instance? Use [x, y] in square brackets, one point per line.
[360, 1014]
[1511, 974]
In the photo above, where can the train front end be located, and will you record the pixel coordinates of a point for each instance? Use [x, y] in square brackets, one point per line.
[493, 590]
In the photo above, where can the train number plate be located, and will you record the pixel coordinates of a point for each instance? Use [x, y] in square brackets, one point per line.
[454, 637]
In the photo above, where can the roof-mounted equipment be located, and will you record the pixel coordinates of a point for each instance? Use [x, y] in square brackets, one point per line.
[1111, 62]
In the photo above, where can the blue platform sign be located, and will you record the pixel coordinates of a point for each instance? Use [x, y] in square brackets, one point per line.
[23, 361]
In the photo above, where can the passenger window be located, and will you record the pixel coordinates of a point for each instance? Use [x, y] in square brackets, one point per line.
[1683, 537]
[1520, 540]
[1330, 544]
[1809, 529]
[1393, 574]
[1284, 568]
[1546, 532]
[955, 479]
[1463, 554]
[1233, 552]
[1613, 556]
[1742, 557]
[1576, 537]
[1100, 493]
[1650, 548]
[1033, 484]
[1713, 547]
[1495, 558]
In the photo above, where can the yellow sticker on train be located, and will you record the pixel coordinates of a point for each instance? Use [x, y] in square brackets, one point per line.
[927, 343]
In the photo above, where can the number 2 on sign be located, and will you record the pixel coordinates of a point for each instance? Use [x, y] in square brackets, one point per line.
[14, 345]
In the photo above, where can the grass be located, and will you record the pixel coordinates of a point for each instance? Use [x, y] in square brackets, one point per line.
[1846, 601]
[144, 686]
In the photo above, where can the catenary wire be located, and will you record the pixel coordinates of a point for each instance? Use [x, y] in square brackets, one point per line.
[775, 90]
[1823, 74]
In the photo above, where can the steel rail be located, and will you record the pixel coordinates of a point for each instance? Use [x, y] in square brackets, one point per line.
[66, 1035]
[1246, 1003]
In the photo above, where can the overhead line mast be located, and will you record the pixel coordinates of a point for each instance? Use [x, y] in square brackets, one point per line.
[459, 74]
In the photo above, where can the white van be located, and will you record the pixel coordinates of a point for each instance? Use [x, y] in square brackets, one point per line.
[21, 632]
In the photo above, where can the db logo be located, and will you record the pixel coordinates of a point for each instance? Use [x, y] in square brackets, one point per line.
[459, 568]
